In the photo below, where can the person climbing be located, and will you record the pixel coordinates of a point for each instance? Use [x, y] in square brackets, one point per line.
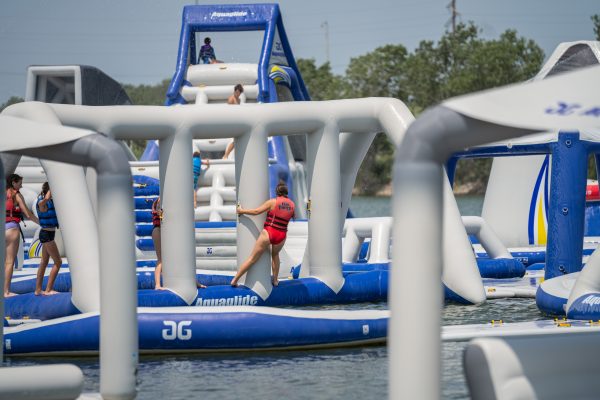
[197, 163]
[157, 215]
[15, 210]
[234, 99]
[279, 212]
[48, 222]
[207, 53]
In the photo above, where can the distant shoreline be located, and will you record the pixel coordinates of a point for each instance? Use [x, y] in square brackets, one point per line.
[467, 189]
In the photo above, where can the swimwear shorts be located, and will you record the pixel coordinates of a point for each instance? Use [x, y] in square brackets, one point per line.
[275, 235]
[11, 225]
[46, 236]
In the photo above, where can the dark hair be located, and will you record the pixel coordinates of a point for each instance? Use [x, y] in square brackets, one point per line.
[239, 88]
[206, 40]
[281, 189]
[12, 178]
[196, 154]
[45, 188]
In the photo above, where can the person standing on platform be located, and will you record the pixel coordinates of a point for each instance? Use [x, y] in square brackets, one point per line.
[49, 222]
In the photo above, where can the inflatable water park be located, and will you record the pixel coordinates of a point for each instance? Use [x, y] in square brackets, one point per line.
[536, 236]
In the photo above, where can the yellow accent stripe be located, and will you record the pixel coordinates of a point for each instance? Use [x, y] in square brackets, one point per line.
[541, 222]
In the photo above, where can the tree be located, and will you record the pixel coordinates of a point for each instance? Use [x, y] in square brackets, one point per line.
[11, 101]
[459, 63]
[149, 95]
[378, 73]
[596, 21]
[322, 84]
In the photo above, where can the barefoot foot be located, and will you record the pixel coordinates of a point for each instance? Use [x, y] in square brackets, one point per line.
[200, 286]
[50, 292]
[9, 294]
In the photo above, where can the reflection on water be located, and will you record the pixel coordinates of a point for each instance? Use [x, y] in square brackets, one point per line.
[355, 373]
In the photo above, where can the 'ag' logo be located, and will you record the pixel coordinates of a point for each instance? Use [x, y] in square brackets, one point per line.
[175, 330]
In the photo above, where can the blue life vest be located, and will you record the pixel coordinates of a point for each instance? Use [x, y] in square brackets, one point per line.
[47, 219]
[197, 163]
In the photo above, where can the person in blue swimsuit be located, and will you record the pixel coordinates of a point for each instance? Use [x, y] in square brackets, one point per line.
[49, 222]
[207, 53]
[198, 162]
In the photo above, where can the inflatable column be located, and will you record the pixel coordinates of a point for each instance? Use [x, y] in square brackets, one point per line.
[79, 231]
[567, 206]
[460, 273]
[177, 226]
[324, 250]
[252, 184]
[353, 149]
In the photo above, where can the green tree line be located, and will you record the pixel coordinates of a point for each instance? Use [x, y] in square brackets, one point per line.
[460, 62]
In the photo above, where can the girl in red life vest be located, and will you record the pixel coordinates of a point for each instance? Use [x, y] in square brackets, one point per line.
[157, 215]
[279, 212]
[15, 209]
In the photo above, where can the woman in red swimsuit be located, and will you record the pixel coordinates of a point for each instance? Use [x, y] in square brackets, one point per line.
[16, 209]
[279, 212]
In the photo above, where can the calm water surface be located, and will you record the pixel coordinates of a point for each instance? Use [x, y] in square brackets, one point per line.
[329, 374]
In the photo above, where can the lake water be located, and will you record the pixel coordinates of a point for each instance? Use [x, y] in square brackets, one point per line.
[358, 373]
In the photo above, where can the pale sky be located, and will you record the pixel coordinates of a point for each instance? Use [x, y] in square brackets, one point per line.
[136, 41]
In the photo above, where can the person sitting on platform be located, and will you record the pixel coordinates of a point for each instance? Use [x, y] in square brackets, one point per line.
[15, 209]
[207, 53]
[279, 212]
[49, 222]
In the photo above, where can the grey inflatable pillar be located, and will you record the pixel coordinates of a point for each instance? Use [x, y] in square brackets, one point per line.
[252, 184]
[417, 213]
[177, 227]
[10, 162]
[118, 282]
[118, 331]
[324, 249]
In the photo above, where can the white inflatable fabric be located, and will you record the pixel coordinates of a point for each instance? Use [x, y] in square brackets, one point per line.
[72, 199]
[321, 120]
[458, 123]
[541, 367]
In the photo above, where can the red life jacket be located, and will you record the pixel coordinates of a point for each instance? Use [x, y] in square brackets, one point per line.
[279, 217]
[156, 219]
[13, 211]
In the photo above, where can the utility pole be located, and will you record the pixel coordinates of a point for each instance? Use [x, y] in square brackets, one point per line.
[325, 26]
[453, 14]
